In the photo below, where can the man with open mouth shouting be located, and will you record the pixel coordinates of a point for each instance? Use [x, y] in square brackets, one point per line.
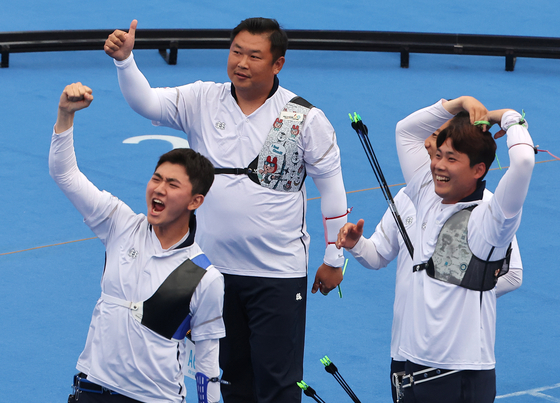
[157, 286]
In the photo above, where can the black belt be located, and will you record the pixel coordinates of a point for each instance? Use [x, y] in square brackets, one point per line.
[83, 385]
[250, 172]
[425, 375]
[233, 171]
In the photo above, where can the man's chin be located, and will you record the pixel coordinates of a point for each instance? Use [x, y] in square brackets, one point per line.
[440, 191]
[153, 221]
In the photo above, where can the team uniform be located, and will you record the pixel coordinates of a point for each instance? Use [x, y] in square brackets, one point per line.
[121, 353]
[256, 236]
[386, 243]
[381, 248]
[448, 327]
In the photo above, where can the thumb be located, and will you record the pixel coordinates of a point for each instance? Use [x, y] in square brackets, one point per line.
[499, 134]
[132, 30]
[360, 226]
[316, 285]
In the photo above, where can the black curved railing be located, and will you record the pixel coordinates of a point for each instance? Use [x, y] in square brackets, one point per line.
[169, 41]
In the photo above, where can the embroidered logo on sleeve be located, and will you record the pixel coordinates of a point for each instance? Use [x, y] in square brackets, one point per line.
[132, 253]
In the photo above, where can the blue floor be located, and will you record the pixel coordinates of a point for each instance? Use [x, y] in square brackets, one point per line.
[50, 266]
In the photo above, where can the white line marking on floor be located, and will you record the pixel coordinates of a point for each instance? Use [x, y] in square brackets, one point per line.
[536, 393]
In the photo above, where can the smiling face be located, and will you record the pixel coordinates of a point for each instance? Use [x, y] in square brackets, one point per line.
[454, 178]
[251, 67]
[170, 200]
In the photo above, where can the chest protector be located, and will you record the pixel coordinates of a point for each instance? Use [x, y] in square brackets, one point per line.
[454, 263]
[279, 165]
[167, 311]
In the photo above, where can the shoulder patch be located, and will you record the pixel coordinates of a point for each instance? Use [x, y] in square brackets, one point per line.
[201, 261]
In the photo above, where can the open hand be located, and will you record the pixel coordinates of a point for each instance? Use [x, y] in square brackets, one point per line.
[349, 235]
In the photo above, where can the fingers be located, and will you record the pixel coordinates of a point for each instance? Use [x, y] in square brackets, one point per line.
[75, 96]
[325, 288]
[119, 44]
[360, 226]
[478, 114]
[326, 279]
[114, 42]
[341, 239]
[316, 285]
[116, 39]
[481, 116]
[349, 235]
[477, 111]
[499, 134]
[77, 92]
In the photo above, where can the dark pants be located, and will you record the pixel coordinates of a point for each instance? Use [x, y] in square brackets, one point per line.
[262, 353]
[396, 366]
[89, 397]
[460, 387]
[94, 393]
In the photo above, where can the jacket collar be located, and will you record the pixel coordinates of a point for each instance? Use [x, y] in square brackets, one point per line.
[477, 194]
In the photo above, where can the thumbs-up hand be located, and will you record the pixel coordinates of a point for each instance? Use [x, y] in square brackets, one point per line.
[119, 44]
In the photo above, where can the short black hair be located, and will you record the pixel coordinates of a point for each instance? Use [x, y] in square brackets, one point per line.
[198, 168]
[258, 25]
[469, 139]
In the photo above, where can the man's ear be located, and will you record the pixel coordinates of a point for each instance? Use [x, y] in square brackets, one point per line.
[479, 170]
[196, 202]
[278, 64]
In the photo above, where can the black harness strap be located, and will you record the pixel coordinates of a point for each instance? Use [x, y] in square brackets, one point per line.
[250, 171]
[169, 306]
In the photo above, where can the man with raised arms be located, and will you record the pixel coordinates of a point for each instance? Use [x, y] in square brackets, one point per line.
[386, 243]
[461, 243]
[157, 285]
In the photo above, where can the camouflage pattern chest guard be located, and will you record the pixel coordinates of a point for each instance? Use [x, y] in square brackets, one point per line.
[279, 165]
[453, 262]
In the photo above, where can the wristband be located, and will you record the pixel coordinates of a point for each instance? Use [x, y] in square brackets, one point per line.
[522, 122]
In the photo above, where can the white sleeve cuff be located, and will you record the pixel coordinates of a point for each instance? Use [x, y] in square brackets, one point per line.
[333, 257]
[516, 133]
[122, 64]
